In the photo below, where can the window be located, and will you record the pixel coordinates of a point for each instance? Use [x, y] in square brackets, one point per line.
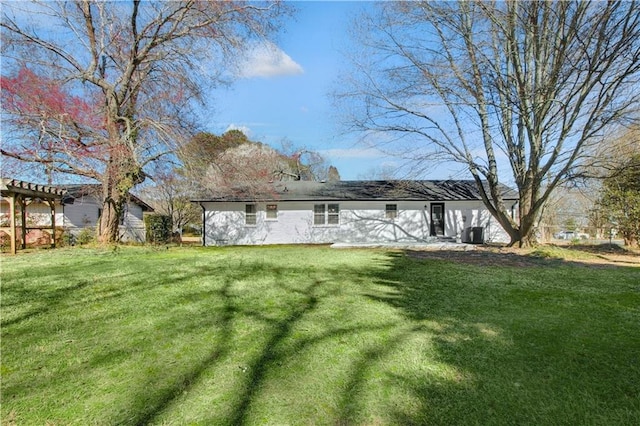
[272, 212]
[326, 214]
[318, 214]
[250, 214]
[334, 214]
[391, 211]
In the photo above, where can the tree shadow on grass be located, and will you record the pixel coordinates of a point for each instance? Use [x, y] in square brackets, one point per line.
[146, 398]
[255, 370]
[42, 315]
[507, 350]
[534, 347]
[35, 298]
[269, 355]
[148, 413]
[275, 349]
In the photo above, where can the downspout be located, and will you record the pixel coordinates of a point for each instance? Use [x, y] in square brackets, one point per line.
[204, 225]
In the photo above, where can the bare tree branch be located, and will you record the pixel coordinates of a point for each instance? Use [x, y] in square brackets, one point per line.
[541, 82]
[121, 80]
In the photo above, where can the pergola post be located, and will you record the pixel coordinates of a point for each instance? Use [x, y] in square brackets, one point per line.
[23, 220]
[12, 222]
[21, 193]
[52, 204]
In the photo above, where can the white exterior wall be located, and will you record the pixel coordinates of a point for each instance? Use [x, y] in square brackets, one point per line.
[37, 214]
[133, 227]
[83, 213]
[360, 222]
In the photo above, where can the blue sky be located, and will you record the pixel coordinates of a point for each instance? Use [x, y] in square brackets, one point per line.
[286, 94]
[283, 93]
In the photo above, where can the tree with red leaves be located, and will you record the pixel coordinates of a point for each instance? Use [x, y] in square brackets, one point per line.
[102, 90]
[61, 129]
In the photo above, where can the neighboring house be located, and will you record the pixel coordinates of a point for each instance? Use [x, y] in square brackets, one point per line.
[80, 209]
[87, 208]
[370, 212]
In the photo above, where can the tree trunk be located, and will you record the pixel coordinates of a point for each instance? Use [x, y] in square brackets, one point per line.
[522, 231]
[630, 241]
[525, 240]
[121, 176]
[110, 220]
[113, 201]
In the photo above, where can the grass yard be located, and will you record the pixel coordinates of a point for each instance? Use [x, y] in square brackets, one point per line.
[313, 335]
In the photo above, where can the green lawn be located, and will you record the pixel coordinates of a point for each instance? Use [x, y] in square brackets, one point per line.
[313, 335]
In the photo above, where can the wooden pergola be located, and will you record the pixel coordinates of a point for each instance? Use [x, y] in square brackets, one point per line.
[21, 194]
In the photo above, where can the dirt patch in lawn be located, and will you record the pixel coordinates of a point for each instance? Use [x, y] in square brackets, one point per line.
[598, 256]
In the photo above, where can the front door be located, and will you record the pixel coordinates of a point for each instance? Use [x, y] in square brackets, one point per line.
[437, 219]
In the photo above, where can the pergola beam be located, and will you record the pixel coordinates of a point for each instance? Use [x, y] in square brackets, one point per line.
[19, 191]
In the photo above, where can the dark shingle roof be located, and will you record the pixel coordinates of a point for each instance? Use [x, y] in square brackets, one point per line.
[95, 189]
[366, 190]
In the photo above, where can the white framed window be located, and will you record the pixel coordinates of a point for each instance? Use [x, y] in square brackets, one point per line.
[391, 211]
[250, 214]
[318, 214]
[326, 214]
[272, 212]
[333, 214]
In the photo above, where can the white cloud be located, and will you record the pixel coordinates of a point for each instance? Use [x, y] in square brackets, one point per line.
[267, 60]
[244, 129]
[352, 153]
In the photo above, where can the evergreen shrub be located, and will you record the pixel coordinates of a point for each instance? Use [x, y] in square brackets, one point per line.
[158, 228]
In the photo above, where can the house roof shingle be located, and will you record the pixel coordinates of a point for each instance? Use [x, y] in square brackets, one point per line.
[78, 190]
[365, 190]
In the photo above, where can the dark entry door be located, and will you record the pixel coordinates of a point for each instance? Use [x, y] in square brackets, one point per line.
[437, 219]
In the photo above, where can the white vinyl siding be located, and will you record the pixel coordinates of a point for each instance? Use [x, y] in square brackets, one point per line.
[84, 214]
[358, 222]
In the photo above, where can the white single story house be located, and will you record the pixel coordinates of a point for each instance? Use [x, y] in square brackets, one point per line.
[358, 212]
[87, 208]
[77, 207]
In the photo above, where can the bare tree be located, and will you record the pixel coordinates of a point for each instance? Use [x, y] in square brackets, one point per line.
[610, 156]
[171, 194]
[303, 163]
[202, 149]
[248, 169]
[119, 80]
[517, 91]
